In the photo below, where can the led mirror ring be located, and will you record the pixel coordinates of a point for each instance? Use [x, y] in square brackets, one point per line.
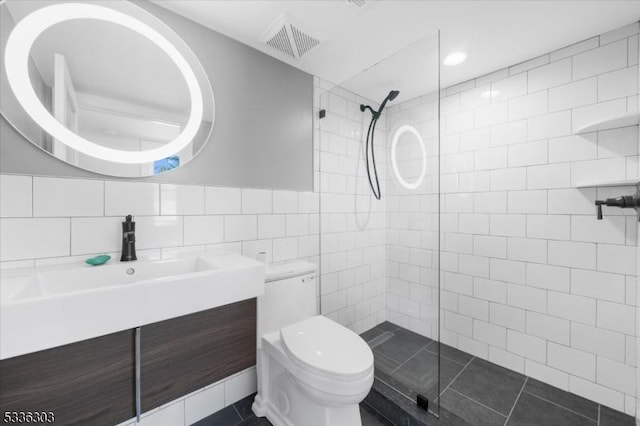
[16, 61]
[394, 162]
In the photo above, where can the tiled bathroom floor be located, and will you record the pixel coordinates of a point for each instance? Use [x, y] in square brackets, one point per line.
[473, 392]
[476, 391]
[240, 414]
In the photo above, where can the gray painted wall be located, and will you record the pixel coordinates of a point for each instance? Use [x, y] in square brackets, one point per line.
[263, 134]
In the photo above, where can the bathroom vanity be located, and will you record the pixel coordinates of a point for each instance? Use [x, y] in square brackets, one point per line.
[100, 379]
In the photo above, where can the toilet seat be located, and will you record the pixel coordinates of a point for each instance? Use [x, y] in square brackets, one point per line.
[325, 348]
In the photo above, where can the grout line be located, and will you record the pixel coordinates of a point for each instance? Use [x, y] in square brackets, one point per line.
[456, 377]
[33, 196]
[439, 353]
[380, 339]
[478, 402]
[237, 412]
[410, 358]
[516, 401]
[562, 406]
[599, 406]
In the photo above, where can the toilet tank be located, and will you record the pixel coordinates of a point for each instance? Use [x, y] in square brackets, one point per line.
[289, 296]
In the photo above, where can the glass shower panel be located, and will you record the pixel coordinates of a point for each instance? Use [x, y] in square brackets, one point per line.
[378, 176]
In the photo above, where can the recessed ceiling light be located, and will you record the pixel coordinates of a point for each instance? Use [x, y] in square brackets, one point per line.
[455, 58]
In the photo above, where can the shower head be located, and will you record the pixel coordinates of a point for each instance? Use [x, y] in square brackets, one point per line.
[376, 114]
[370, 145]
[391, 96]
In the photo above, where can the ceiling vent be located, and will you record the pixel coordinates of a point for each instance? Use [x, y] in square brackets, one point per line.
[358, 3]
[289, 38]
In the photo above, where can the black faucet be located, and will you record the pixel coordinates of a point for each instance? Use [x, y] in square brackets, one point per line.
[128, 240]
[624, 202]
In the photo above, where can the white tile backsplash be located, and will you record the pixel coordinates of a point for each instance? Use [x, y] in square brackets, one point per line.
[55, 197]
[159, 231]
[256, 201]
[219, 200]
[95, 235]
[135, 198]
[16, 196]
[285, 202]
[203, 230]
[34, 238]
[182, 199]
[240, 227]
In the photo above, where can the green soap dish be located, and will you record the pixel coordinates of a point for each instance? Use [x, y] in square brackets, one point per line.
[98, 260]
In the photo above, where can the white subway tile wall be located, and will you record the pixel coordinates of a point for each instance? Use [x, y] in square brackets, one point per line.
[352, 222]
[412, 215]
[533, 281]
[72, 219]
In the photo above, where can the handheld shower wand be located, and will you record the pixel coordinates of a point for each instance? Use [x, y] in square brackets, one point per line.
[370, 135]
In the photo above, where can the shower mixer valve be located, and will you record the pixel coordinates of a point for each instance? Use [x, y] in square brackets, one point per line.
[624, 202]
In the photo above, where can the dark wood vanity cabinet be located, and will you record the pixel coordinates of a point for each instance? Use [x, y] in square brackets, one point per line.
[85, 383]
[181, 355]
[93, 382]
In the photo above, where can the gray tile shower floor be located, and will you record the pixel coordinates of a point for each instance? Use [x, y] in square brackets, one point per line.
[473, 392]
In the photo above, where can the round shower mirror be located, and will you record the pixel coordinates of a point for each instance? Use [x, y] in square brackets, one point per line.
[409, 154]
[104, 86]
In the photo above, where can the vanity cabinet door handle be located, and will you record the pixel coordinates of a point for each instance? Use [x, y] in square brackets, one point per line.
[138, 383]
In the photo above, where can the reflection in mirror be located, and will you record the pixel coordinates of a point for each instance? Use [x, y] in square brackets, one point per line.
[132, 98]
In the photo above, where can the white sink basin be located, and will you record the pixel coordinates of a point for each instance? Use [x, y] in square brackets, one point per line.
[79, 278]
[41, 308]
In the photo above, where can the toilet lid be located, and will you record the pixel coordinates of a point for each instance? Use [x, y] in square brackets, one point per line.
[327, 346]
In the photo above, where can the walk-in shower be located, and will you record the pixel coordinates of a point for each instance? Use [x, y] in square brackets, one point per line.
[380, 254]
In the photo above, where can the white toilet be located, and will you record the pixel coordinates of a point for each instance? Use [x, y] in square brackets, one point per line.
[311, 370]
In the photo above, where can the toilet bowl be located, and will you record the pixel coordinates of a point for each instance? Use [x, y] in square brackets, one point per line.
[312, 371]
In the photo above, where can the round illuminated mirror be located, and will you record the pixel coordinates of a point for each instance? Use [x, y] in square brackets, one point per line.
[408, 157]
[104, 86]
